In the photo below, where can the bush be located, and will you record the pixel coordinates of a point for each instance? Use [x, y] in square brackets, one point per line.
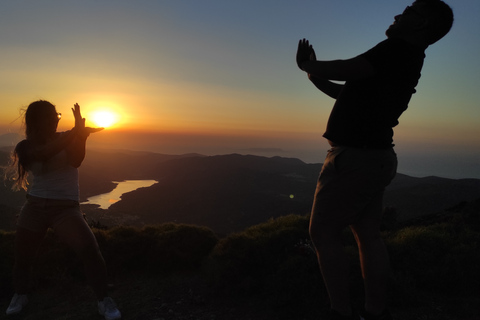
[155, 249]
[438, 258]
[274, 260]
[248, 257]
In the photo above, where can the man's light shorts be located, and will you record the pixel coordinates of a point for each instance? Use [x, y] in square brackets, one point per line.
[351, 185]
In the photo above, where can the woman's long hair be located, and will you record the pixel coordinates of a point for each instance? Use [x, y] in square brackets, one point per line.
[40, 120]
[17, 172]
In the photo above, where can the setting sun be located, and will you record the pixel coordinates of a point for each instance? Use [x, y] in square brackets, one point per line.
[104, 119]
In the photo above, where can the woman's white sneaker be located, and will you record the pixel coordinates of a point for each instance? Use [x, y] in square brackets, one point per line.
[108, 309]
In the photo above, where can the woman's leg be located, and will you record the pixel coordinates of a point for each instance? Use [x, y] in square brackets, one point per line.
[27, 244]
[75, 232]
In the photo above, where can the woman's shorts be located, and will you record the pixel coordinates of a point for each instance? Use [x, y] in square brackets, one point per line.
[39, 214]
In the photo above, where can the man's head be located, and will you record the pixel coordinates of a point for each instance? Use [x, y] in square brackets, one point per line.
[425, 21]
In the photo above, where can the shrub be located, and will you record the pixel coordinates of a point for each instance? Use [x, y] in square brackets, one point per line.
[256, 252]
[160, 248]
[438, 258]
[275, 260]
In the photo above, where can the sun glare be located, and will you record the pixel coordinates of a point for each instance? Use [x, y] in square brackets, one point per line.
[104, 119]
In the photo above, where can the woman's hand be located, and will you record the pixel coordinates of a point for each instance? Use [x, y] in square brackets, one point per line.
[88, 130]
[80, 123]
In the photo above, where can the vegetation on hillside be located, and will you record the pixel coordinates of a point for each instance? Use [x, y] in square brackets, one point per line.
[435, 266]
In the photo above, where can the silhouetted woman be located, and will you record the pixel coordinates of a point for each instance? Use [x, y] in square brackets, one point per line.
[52, 158]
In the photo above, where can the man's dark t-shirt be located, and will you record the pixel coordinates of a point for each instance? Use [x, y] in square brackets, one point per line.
[366, 110]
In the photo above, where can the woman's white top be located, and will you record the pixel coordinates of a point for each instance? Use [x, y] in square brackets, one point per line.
[55, 179]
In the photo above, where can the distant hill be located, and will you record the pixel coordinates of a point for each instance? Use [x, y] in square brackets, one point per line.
[231, 192]
[9, 139]
[226, 193]
[419, 196]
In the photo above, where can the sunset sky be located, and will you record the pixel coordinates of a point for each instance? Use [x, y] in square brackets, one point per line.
[218, 77]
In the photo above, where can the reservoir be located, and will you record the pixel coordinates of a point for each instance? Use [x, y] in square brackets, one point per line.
[105, 200]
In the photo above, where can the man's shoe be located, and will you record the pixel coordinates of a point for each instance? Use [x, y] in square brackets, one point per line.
[19, 301]
[108, 309]
[385, 315]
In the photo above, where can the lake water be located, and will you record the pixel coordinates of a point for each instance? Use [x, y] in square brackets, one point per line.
[105, 200]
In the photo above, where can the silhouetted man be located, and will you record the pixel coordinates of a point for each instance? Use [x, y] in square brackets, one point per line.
[361, 162]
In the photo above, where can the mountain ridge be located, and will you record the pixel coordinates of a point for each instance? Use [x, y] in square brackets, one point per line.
[229, 192]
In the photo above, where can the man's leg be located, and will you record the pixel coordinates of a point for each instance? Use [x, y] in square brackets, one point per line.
[366, 228]
[326, 226]
[350, 185]
[373, 256]
[333, 262]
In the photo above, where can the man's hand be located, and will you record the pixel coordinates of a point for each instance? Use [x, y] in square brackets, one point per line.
[304, 52]
[313, 56]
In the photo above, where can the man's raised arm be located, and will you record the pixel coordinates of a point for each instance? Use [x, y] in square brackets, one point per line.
[321, 72]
